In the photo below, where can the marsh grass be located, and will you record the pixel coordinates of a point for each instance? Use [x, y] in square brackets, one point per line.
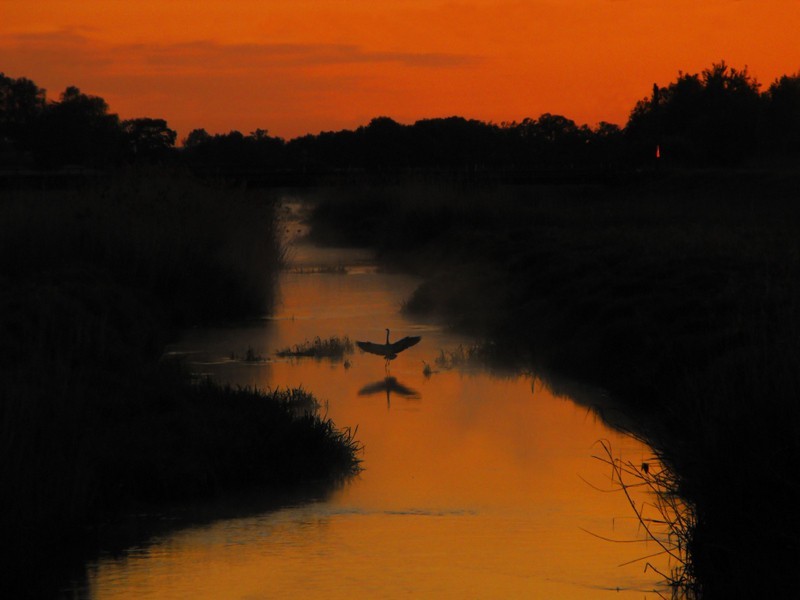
[467, 356]
[334, 348]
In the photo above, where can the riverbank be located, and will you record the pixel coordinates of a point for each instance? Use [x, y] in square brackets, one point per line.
[679, 294]
[94, 421]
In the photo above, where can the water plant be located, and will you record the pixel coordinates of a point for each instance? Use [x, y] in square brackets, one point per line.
[334, 347]
[465, 356]
[663, 517]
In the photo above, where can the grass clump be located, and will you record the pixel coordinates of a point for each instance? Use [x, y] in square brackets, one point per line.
[466, 356]
[334, 348]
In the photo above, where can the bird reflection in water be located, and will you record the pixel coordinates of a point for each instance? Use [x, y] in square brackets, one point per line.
[389, 385]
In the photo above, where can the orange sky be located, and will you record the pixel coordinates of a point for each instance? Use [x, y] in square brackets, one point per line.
[299, 66]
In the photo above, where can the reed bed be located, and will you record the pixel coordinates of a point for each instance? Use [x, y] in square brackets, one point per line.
[334, 348]
[467, 356]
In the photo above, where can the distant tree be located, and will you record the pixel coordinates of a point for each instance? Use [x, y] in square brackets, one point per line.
[550, 142]
[196, 138]
[234, 153]
[606, 146]
[21, 105]
[386, 144]
[148, 139]
[453, 143]
[700, 119]
[554, 128]
[79, 130]
[781, 124]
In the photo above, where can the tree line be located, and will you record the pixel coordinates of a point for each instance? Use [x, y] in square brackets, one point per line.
[719, 117]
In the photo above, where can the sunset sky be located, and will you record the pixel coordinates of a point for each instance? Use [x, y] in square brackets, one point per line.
[302, 66]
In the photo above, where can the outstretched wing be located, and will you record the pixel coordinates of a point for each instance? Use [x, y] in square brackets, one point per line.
[406, 342]
[372, 348]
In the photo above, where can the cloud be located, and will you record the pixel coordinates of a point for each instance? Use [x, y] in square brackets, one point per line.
[56, 48]
[71, 48]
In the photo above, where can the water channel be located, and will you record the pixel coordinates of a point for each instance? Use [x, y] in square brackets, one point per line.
[475, 485]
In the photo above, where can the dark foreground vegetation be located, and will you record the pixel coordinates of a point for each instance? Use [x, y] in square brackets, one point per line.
[93, 422]
[680, 295]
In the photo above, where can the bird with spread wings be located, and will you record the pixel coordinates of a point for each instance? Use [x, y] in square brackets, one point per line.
[389, 350]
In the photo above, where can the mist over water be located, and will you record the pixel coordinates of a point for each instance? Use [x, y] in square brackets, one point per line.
[474, 485]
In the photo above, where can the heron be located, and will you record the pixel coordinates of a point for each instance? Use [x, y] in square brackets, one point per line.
[389, 350]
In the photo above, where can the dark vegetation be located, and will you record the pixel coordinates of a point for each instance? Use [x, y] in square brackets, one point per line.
[679, 295]
[334, 347]
[93, 422]
[719, 117]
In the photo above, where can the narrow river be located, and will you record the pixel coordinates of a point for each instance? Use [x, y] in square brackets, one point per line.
[475, 485]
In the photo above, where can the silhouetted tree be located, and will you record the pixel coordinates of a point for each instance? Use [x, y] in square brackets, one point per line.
[385, 143]
[148, 139]
[233, 153]
[21, 105]
[701, 119]
[196, 138]
[550, 142]
[454, 143]
[606, 146]
[781, 124]
[79, 130]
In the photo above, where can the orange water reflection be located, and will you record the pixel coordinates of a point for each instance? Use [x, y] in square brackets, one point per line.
[473, 485]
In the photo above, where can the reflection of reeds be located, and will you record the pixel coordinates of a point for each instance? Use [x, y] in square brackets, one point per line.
[250, 355]
[334, 347]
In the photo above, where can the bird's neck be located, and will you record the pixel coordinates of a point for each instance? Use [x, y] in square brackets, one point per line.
[387, 337]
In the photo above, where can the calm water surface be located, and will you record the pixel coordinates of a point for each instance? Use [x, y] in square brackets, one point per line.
[475, 486]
